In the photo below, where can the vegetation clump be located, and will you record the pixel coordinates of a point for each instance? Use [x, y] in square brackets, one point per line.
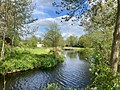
[85, 53]
[25, 60]
[52, 86]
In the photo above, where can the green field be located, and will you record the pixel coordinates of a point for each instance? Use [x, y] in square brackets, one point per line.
[41, 50]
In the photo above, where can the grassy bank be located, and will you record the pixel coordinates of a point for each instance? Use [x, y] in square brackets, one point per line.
[24, 59]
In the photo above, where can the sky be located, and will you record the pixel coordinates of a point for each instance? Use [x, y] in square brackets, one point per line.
[46, 14]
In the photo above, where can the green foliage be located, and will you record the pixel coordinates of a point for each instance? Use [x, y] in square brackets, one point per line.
[14, 15]
[103, 76]
[23, 60]
[52, 86]
[100, 67]
[72, 41]
[85, 53]
[31, 42]
[53, 37]
[72, 54]
[85, 41]
[48, 62]
[57, 55]
[99, 21]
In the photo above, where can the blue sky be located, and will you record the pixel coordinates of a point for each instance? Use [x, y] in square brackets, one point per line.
[46, 14]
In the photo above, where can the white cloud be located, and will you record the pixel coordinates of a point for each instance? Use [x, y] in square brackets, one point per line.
[66, 28]
[39, 13]
[44, 8]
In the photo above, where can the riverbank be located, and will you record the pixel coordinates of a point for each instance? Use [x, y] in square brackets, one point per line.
[73, 72]
[23, 59]
[85, 53]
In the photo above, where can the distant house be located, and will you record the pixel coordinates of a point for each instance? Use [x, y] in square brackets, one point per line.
[39, 45]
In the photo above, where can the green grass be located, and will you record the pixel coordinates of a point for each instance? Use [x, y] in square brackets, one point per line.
[77, 48]
[71, 48]
[41, 50]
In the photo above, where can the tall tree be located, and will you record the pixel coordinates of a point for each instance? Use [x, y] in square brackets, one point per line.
[72, 41]
[114, 59]
[53, 37]
[14, 15]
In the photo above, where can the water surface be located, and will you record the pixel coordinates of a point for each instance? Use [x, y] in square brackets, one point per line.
[73, 72]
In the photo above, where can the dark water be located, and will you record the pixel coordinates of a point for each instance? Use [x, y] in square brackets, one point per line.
[73, 72]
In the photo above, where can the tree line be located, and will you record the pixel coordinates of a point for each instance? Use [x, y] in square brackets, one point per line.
[53, 38]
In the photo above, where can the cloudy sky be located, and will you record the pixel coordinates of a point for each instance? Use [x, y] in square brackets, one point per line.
[46, 14]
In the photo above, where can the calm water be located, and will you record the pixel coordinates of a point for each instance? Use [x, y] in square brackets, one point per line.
[73, 72]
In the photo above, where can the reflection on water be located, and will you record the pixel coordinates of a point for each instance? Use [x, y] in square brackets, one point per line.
[82, 56]
[73, 72]
[72, 54]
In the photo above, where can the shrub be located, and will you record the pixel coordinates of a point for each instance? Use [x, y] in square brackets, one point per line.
[104, 79]
[85, 53]
[48, 62]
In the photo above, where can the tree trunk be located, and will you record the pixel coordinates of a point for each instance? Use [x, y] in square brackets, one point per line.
[114, 59]
[3, 47]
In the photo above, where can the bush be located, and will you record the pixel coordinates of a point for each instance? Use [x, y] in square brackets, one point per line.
[104, 79]
[85, 53]
[48, 62]
[56, 55]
